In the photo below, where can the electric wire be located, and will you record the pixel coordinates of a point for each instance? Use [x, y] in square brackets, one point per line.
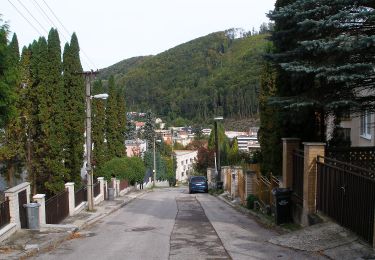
[20, 13]
[66, 30]
[27, 10]
[41, 11]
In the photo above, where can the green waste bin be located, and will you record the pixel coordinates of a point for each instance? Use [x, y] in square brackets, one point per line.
[283, 209]
[32, 213]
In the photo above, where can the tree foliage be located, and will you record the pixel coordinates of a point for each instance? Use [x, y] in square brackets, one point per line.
[193, 81]
[126, 168]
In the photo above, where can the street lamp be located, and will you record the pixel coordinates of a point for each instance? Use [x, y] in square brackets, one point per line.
[217, 152]
[90, 199]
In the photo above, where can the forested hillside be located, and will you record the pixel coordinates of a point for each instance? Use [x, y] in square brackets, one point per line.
[214, 74]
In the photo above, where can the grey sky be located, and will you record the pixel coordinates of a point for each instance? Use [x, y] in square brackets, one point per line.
[113, 30]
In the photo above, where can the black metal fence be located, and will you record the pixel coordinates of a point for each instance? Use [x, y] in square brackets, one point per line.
[346, 193]
[80, 196]
[360, 156]
[4, 213]
[96, 189]
[57, 208]
[22, 200]
[298, 170]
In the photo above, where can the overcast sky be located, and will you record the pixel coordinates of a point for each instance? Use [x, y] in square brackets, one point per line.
[112, 30]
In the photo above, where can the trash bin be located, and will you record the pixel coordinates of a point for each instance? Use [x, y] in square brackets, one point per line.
[219, 185]
[111, 193]
[32, 213]
[283, 205]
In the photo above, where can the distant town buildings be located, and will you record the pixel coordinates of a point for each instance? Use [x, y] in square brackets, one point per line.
[135, 147]
[184, 160]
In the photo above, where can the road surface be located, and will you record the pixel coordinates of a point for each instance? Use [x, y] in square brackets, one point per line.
[172, 224]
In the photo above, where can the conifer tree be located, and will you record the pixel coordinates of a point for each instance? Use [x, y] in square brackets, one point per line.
[149, 131]
[112, 122]
[121, 122]
[74, 110]
[130, 133]
[99, 153]
[11, 150]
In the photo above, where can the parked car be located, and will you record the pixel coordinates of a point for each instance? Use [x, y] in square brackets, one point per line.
[198, 184]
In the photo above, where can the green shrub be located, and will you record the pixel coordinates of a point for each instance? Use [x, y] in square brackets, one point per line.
[250, 201]
[126, 168]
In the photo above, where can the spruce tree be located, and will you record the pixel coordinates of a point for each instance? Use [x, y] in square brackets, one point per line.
[148, 131]
[74, 113]
[130, 132]
[333, 44]
[99, 153]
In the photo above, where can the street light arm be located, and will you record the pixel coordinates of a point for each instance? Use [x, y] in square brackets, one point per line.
[100, 96]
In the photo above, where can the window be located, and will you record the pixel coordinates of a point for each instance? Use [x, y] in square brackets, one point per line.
[182, 162]
[365, 130]
[186, 161]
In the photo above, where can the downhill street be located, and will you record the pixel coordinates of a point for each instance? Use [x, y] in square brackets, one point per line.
[171, 224]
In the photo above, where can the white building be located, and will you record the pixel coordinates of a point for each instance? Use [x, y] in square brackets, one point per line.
[184, 160]
[247, 143]
[135, 147]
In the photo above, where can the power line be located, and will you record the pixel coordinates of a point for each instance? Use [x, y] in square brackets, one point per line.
[66, 30]
[41, 26]
[25, 18]
[41, 11]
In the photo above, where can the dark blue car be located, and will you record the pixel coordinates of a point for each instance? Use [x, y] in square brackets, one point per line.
[198, 184]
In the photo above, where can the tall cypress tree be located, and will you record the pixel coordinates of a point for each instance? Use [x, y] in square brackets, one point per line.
[112, 122]
[11, 151]
[99, 153]
[74, 110]
[121, 122]
[51, 116]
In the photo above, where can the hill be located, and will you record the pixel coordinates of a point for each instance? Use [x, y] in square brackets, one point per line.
[212, 75]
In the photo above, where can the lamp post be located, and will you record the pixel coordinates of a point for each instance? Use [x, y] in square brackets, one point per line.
[217, 152]
[90, 199]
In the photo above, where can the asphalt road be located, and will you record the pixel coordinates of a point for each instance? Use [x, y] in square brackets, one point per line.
[171, 224]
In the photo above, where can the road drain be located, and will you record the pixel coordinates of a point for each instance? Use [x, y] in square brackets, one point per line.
[140, 229]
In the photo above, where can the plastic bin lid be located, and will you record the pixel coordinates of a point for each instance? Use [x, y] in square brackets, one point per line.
[32, 205]
[279, 191]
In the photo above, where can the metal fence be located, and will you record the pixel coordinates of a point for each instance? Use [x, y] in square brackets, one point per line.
[346, 193]
[298, 169]
[96, 189]
[124, 184]
[80, 196]
[360, 156]
[4, 213]
[57, 208]
[264, 187]
[22, 200]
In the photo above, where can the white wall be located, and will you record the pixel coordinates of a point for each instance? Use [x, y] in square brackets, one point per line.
[184, 161]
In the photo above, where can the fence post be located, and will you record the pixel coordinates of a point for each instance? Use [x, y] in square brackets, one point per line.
[12, 195]
[289, 145]
[311, 151]
[41, 199]
[70, 187]
[101, 183]
[117, 182]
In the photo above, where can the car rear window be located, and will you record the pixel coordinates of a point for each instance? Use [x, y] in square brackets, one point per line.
[198, 179]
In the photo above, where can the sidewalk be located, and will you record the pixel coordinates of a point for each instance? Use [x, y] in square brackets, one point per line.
[26, 242]
[327, 239]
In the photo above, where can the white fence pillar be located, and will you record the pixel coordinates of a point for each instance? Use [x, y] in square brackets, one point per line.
[117, 188]
[41, 199]
[12, 195]
[70, 187]
[101, 183]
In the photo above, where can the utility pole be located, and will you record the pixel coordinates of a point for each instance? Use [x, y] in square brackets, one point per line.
[89, 76]
[154, 177]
